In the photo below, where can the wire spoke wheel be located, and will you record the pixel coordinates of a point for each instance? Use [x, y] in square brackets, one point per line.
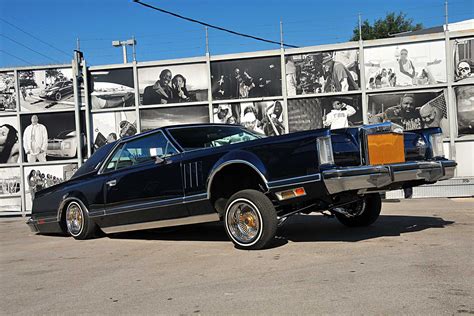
[243, 222]
[74, 219]
[361, 213]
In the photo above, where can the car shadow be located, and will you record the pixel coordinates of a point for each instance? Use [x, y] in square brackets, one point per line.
[298, 228]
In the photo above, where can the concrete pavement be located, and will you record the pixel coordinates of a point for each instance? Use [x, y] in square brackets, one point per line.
[418, 258]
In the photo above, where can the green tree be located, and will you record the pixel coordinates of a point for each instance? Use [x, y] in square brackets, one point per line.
[393, 23]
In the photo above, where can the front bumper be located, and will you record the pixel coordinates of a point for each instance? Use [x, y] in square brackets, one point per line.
[380, 177]
[44, 225]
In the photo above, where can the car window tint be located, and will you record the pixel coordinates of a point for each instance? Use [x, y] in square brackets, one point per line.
[144, 149]
[112, 163]
[193, 138]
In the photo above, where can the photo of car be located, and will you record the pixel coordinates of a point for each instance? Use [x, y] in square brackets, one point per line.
[57, 91]
[63, 145]
[197, 173]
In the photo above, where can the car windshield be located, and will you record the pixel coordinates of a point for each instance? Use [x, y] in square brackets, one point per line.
[197, 137]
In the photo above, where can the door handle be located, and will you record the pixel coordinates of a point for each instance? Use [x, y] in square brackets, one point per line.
[111, 183]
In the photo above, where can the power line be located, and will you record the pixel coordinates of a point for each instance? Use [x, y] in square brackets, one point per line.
[36, 38]
[19, 58]
[212, 26]
[31, 49]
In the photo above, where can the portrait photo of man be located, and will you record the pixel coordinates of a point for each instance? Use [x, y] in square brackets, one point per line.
[35, 141]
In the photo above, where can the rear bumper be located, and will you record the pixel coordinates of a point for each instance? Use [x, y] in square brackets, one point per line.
[378, 177]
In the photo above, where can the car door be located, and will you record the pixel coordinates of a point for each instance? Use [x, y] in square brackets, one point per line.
[144, 182]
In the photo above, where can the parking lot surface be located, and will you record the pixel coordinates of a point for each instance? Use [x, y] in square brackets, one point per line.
[418, 259]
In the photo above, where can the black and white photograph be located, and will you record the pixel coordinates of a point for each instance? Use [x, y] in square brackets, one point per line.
[49, 137]
[9, 140]
[160, 117]
[112, 88]
[173, 84]
[10, 205]
[325, 112]
[48, 89]
[405, 65]
[264, 117]
[38, 178]
[464, 60]
[9, 181]
[111, 126]
[410, 110]
[7, 92]
[246, 78]
[465, 109]
[322, 72]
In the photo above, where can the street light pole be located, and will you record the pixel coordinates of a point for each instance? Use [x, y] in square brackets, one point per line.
[124, 44]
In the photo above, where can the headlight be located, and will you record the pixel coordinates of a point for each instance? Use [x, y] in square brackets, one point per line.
[436, 141]
[66, 145]
[326, 156]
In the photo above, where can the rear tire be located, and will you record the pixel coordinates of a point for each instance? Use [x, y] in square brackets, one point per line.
[365, 211]
[78, 223]
[250, 220]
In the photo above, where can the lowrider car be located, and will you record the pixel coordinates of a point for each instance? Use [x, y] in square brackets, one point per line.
[210, 172]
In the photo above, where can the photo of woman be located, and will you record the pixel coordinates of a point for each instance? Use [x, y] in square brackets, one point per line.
[9, 146]
[178, 84]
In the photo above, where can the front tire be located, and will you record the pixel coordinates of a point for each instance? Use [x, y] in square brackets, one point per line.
[78, 223]
[250, 220]
[362, 213]
[58, 96]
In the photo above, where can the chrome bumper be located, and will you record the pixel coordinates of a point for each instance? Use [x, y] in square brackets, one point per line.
[378, 177]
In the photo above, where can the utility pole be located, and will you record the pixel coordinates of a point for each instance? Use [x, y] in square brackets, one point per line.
[207, 40]
[360, 27]
[281, 34]
[131, 42]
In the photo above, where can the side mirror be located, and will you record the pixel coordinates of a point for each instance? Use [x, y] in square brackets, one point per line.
[159, 160]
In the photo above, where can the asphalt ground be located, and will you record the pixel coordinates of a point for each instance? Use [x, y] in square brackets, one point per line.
[417, 259]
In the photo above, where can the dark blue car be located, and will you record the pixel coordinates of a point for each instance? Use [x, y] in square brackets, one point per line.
[210, 172]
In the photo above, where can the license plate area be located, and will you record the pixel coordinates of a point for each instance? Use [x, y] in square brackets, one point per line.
[385, 148]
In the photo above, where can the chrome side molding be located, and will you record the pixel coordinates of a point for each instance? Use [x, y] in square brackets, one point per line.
[206, 218]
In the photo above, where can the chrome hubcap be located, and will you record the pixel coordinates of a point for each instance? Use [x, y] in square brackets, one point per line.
[243, 222]
[74, 219]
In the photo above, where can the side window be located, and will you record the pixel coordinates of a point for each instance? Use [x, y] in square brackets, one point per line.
[141, 150]
[112, 164]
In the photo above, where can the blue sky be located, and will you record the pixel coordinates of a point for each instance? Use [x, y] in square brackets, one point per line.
[98, 22]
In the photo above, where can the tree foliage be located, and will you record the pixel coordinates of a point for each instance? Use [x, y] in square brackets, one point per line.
[393, 23]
